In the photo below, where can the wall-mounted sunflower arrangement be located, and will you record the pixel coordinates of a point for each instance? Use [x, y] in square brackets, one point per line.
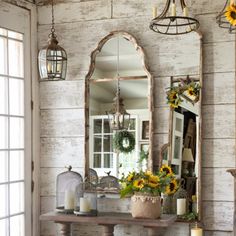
[230, 14]
[186, 89]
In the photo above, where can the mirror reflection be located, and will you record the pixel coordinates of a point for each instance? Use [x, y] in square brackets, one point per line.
[183, 151]
[118, 109]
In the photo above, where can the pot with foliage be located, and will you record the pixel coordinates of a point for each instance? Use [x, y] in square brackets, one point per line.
[145, 189]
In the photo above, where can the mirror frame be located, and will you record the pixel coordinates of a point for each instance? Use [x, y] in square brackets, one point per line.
[169, 144]
[88, 79]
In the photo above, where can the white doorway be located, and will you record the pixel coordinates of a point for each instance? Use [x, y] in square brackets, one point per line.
[15, 122]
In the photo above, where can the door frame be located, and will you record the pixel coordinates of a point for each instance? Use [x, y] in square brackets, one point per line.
[34, 104]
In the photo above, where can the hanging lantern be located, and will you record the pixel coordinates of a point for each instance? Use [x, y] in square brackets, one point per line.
[119, 118]
[170, 23]
[52, 59]
[227, 17]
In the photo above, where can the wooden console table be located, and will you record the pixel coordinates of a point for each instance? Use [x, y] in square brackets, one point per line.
[108, 221]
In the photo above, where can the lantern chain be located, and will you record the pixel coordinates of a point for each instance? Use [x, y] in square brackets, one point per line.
[118, 74]
[53, 23]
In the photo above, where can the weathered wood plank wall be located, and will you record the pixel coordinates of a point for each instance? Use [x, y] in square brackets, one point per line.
[80, 25]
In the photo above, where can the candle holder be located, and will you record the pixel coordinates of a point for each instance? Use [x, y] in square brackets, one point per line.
[196, 229]
[86, 196]
[67, 183]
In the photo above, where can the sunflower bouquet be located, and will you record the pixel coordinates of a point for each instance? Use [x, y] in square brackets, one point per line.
[148, 183]
[187, 89]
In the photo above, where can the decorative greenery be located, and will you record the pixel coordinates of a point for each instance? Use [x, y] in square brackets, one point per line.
[189, 217]
[230, 14]
[143, 156]
[186, 89]
[124, 141]
[147, 183]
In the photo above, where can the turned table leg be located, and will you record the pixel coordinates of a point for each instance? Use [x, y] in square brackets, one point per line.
[156, 232]
[107, 230]
[65, 229]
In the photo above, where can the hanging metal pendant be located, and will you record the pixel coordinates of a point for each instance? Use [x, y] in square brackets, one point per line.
[52, 59]
[221, 19]
[168, 22]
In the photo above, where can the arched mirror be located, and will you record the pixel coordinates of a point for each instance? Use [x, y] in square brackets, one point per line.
[118, 108]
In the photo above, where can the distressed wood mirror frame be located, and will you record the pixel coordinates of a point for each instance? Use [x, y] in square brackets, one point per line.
[88, 79]
[167, 148]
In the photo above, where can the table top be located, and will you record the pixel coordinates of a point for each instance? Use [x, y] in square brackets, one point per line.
[110, 218]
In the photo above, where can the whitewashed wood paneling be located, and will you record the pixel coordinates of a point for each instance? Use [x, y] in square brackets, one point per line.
[61, 123]
[139, 8]
[218, 216]
[217, 185]
[214, 93]
[60, 152]
[218, 153]
[62, 94]
[219, 57]
[218, 121]
[211, 31]
[169, 60]
[78, 11]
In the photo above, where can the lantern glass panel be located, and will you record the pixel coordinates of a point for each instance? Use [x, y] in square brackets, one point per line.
[42, 64]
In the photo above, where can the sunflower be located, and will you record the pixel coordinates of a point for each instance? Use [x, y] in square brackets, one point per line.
[172, 187]
[153, 181]
[166, 169]
[174, 104]
[148, 173]
[190, 91]
[130, 177]
[172, 95]
[230, 14]
[139, 183]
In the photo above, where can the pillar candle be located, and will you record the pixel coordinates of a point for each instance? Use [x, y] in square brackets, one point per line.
[196, 232]
[154, 12]
[181, 206]
[69, 199]
[49, 67]
[84, 205]
[173, 9]
[186, 11]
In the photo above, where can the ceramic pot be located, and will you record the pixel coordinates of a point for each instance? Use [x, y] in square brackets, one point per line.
[145, 206]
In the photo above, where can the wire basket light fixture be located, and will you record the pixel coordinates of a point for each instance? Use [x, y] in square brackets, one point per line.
[227, 17]
[168, 22]
[52, 59]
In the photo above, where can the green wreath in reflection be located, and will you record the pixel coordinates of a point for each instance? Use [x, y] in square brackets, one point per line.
[124, 141]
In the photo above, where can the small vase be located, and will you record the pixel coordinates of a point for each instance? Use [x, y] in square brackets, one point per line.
[145, 206]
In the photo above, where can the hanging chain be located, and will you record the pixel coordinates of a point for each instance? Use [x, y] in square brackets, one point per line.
[52, 28]
[117, 72]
